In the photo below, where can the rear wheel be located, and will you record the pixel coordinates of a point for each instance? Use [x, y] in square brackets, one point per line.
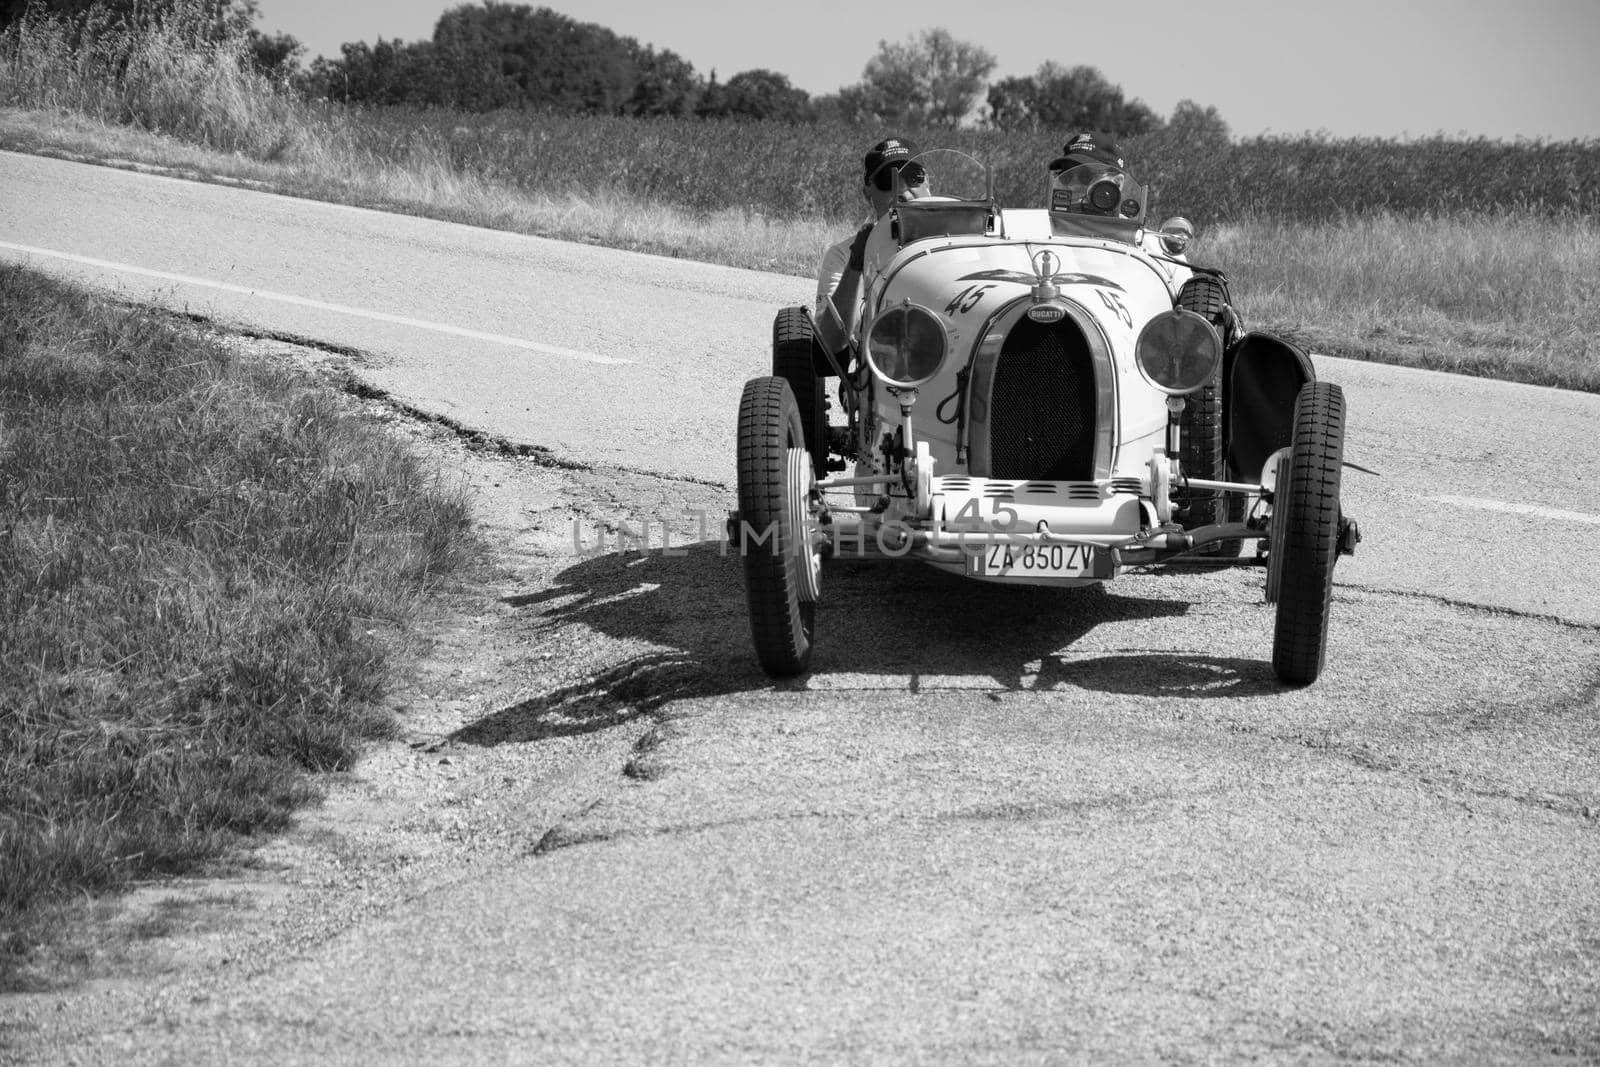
[782, 568]
[1305, 539]
[794, 360]
[1200, 453]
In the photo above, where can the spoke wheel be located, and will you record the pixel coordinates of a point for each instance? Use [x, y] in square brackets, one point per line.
[782, 566]
[1305, 539]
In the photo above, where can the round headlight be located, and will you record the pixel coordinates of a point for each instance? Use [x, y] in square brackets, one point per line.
[906, 345]
[1178, 351]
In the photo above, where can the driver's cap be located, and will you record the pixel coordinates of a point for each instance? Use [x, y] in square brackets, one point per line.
[1089, 148]
[893, 150]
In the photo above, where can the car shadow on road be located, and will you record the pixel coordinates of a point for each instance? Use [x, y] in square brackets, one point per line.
[687, 615]
[1165, 675]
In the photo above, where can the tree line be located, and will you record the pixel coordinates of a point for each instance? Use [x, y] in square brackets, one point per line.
[491, 56]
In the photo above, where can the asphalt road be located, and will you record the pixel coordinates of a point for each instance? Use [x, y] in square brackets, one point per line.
[600, 355]
[992, 826]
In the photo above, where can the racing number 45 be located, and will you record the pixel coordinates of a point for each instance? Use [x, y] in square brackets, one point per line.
[966, 299]
[1115, 305]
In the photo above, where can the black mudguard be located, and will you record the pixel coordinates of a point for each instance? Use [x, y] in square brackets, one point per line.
[1261, 376]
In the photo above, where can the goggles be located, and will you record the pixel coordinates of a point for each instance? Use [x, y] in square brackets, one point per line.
[910, 174]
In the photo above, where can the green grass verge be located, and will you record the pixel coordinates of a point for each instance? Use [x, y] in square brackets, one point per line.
[202, 565]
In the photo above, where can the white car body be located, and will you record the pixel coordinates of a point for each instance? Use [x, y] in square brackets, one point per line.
[1017, 393]
[983, 287]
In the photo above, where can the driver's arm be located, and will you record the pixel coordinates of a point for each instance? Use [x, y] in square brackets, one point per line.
[839, 287]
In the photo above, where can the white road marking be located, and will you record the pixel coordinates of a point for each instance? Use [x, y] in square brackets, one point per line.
[300, 301]
[1531, 510]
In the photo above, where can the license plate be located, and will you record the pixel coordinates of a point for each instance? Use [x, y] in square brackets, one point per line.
[1034, 561]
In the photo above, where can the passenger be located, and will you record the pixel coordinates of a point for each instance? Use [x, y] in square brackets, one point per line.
[839, 274]
[1089, 148]
[1071, 189]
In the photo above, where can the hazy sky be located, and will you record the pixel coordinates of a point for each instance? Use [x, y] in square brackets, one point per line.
[1350, 67]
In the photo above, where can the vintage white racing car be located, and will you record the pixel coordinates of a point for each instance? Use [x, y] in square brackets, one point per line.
[1039, 396]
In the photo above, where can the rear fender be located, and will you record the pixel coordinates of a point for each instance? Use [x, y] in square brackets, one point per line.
[1261, 376]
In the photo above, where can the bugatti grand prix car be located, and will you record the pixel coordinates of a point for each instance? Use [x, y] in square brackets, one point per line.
[1042, 396]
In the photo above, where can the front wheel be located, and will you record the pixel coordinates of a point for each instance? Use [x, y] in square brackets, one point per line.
[782, 566]
[1305, 538]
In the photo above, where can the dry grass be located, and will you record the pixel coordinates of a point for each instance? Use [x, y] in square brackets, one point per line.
[1502, 296]
[172, 76]
[199, 564]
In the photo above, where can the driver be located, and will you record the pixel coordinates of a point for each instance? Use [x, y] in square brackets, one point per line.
[1071, 191]
[1089, 159]
[839, 273]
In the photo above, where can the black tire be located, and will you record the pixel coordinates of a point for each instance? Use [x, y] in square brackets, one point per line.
[794, 360]
[1200, 453]
[1206, 296]
[1305, 522]
[781, 568]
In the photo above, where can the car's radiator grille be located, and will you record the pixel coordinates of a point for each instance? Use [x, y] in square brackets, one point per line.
[1042, 406]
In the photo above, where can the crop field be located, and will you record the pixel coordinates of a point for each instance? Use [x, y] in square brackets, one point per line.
[800, 171]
